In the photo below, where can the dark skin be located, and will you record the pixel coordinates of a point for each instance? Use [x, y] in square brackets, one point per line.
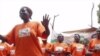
[45, 23]
[60, 39]
[98, 37]
[25, 15]
[44, 41]
[77, 38]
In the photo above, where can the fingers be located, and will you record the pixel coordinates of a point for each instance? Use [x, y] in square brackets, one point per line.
[43, 18]
[46, 16]
[42, 22]
[49, 19]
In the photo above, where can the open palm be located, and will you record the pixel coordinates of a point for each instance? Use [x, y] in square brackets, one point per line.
[46, 20]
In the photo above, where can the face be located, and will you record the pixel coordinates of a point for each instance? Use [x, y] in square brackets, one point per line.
[77, 38]
[60, 38]
[24, 14]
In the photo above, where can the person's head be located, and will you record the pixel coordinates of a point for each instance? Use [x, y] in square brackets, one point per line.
[94, 36]
[44, 41]
[98, 33]
[77, 38]
[60, 38]
[25, 13]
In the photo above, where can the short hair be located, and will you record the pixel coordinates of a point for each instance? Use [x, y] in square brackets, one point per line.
[77, 35]
[28, 9]
[60, 35]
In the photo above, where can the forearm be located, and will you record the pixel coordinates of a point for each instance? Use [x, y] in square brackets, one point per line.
[47, 31]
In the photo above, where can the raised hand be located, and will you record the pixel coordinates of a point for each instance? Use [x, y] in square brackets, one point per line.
[46, 20]
[45, 23]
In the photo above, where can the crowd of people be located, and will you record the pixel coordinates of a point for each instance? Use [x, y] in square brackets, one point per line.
[23, 40]
[75, 48]
[58, 48]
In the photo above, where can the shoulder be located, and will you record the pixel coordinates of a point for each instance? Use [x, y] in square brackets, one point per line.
[35, 22]
[54, 43]
[64, 44]
[92, 40]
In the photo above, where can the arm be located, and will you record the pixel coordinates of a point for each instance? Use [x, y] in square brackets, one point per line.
[91, 46]
[45, 23]
[10, 37]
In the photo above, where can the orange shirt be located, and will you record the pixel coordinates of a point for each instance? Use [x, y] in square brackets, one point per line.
[77, 49]
[46, 46]
[62, 47]
[12, 51]
[24, 36]
[95, 43]
[4, 49]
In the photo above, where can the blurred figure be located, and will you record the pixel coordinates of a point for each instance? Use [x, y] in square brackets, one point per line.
[25, 35]
[46, 47]
[76, 48]
[94, 45]
[59, 48]
[4, 48]
[12, 50]
[94, 36]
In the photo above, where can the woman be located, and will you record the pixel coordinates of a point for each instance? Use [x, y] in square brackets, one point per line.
[24, 35]
[76, 48]
[60, 48]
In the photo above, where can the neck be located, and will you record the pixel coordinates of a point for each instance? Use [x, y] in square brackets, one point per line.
[45, 43]
[60, 41]
[77, 41]
[25, 21]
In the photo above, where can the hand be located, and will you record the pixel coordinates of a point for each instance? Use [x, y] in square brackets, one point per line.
[1, 37]
[46, 20]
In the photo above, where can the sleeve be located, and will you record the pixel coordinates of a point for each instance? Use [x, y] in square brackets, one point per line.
[68, 49]
[10, 37]
[84, 51]
[90, 45]
[50, 47]
[40, 30]
[71, 48]
[7, 48]
[65, 47]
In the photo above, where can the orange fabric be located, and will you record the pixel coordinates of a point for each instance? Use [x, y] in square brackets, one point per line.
[62, 45]
[77, 49]
[12, 51]
[46, 46]
[25, 38]
[93, 44]
[5, 51]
